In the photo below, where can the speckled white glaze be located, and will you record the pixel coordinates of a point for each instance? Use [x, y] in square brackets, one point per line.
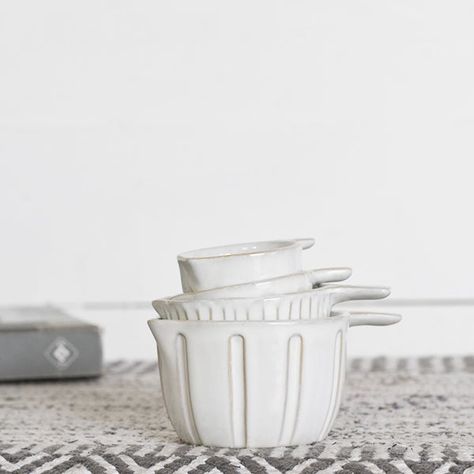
[215, 267]
[251, 384]
[312, 304]
[302, 281]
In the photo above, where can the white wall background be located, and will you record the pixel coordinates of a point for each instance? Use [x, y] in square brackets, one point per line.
[130, 131]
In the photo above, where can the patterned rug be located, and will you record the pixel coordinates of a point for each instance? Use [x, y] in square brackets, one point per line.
[397, 416]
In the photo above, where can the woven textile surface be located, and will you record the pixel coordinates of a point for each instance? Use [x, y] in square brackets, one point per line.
[397, 416]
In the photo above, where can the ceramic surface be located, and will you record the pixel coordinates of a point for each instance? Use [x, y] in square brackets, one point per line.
[360, 318]
[215, 267]
[313, 304]
[302, 281]
[251, 384]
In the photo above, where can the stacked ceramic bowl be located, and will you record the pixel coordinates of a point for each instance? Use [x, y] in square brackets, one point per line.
[252, 353]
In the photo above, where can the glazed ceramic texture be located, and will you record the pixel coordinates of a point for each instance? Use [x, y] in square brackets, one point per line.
[313, 304]
[360, 318]
[215, 267]
[252, 384]
[285, 284]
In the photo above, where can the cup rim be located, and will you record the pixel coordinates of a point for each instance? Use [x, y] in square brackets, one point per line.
[239, 249]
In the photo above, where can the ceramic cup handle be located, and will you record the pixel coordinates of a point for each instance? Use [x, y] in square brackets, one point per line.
[342, 293]
[373, 319]
[327, 275]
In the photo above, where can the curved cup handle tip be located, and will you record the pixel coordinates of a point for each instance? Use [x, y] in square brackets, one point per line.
[373, 319]
[328, 275]
[343, 293]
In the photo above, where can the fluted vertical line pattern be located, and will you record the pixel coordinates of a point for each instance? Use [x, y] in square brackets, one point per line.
[185, 391]
[160, 371]
[342, 374]
[336, 380]
[294, 361]
[238, 390]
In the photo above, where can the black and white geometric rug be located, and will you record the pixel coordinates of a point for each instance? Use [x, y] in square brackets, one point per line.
[397, 416]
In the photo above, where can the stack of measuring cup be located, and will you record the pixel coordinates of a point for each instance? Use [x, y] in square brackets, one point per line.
[252, 353]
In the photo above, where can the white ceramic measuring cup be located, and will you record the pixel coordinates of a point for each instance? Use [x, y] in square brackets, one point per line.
[209, 268]
[251, 384]
[255, 384]
[285, 284]
[312, 304]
